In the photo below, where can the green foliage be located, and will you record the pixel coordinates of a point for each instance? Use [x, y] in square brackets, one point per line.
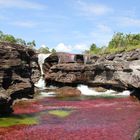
[93, 47]
[95, 50]
[53, 51]
[31, 44]
[7, 37]
[120, 42]
[113, 50]
[1, 35]
[20, 41]
[124, 40]
[12, 39]
[44, 50]
[17, 120]
[60, 113]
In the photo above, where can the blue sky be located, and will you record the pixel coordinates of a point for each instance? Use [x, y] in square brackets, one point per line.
[69, 25]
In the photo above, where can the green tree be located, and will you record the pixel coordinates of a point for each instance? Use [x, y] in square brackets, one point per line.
[94, 49]
[44, 50]
[118, 40]
[1, 35]
[9, 38]
[53, 50]
[124, 40]
[20, 41]
[31, 44]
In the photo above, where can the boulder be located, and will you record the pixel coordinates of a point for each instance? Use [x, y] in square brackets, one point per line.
[18, 72]
[5, 104]
[67, 92]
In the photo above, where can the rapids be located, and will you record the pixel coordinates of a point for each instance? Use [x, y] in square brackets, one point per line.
[41, 83]
[85, 90]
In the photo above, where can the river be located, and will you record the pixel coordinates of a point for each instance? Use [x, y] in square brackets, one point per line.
[77, 118]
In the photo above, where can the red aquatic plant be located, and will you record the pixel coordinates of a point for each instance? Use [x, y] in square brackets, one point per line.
[100, 119]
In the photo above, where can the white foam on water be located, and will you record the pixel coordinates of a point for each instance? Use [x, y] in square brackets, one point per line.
[41, 83]
[85, 90]
[124, 93]
[52, 87]
[47, 94]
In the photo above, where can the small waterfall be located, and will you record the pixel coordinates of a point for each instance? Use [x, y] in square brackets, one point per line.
[41, 59]
[41, 83]
[85, 90]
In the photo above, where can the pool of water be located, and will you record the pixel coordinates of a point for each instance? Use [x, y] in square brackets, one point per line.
[80, 118]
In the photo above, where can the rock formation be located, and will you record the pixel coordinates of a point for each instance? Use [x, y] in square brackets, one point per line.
[119, 71]
[18, 72]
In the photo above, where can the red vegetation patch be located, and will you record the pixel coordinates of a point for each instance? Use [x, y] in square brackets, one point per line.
[100, 119]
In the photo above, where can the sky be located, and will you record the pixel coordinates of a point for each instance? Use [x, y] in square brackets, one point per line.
[69, 25]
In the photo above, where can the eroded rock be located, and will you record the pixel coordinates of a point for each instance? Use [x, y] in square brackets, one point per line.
[113, 71]
[18, 72]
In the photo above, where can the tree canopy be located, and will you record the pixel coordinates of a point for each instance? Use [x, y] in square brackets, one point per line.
[119, 42]
[124, 40]
[46, 50]
[31, 44]
[12, 39]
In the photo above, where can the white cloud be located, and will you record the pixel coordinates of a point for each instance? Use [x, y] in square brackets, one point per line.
[127, 21]
[61, 47]
[80, 47]
[25, 4]
[43, 46]
[27, 24]
[89, 9]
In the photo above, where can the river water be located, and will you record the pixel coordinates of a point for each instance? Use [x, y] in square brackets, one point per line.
[77, 118]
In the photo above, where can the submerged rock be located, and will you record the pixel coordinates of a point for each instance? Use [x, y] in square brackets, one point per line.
[137, 135]
[67, 92]
[100, 89]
